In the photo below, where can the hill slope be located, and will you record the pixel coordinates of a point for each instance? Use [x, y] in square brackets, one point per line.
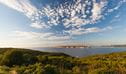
[25, 61]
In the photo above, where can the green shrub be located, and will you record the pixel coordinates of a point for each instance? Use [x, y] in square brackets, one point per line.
[11, 58]
[50, 69]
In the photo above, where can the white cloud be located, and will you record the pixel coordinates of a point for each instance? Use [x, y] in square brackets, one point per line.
[23, 39]
[58, 38]
[72, 13]
[97, 10]
[55, 15]
[39, 36]
[21, 5]
[38, 25]
[82, 31]
[78, 14]
[31, 35]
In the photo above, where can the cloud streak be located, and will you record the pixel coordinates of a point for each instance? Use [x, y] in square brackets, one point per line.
[82, 31]
[23, 6]
[39, 36]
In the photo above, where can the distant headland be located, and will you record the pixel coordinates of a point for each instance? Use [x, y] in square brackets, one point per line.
[73, 46]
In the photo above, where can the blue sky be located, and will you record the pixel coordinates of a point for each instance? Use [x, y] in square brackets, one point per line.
[40, 23]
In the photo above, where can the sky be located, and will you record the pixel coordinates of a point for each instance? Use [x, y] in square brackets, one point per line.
[45, 23]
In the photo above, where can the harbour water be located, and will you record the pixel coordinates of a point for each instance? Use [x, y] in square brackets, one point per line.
[82, 52]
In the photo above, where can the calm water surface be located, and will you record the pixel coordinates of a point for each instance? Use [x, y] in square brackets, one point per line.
[82, 52]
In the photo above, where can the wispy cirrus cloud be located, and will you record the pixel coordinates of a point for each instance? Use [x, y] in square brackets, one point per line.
[82, 31]
[23, 6]
[39, 36]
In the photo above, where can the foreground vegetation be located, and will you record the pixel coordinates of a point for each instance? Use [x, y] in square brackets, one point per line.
[24, 61]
